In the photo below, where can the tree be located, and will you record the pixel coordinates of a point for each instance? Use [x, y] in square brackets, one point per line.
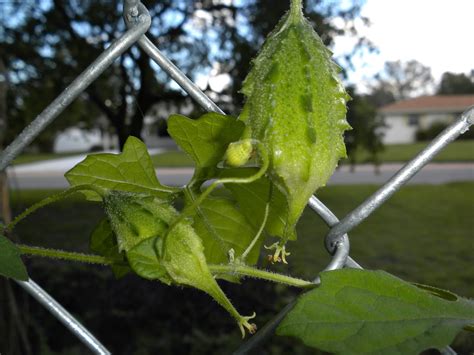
[54, 44]
[456, 84]
[46, 46]
[365, 135]
[380, 96]
[404, 80]
[262, 16]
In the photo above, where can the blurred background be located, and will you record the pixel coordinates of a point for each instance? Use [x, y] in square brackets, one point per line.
[408, 66]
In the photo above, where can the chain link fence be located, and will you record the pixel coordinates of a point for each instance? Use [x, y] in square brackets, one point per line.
[138, 21]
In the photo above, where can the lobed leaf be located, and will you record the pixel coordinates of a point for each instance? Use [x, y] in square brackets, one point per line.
[206, 138]
[221, 227]
[252, 199]
[132, 171]
[373, 312]
[11, 264]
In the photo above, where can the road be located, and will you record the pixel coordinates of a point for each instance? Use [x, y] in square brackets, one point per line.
[50, 174]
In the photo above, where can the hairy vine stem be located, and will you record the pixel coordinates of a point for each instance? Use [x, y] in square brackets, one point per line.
[234, 269]
[296, 8]
[54, 198]
[66, 255]
[259, 233]
[187, 211]
[244, 270]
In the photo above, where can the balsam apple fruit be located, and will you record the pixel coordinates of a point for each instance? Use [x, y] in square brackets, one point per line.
[296, 106]
[146, 228]
[136, 217]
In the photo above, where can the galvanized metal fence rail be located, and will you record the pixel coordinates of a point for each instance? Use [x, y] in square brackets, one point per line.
[138, 21]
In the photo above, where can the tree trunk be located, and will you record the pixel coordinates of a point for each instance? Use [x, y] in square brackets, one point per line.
[4, 195]
[121, 131]
[15, 332]
[136, 126]
[6, 213]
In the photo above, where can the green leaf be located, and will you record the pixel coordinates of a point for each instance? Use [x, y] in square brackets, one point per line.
[104, 242]
[252, 199]
[447, 295]
[205, 139]
[222, 227]
[11, 264]
[296, 106]
[372, 312]
[144, 260]
[132, 170]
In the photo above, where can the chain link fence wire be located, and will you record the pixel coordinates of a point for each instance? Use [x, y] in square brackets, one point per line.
[138, 21]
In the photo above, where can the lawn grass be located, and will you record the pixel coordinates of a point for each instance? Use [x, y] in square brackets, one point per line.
[173, 159]
[422, 234]
[36, 157]
[462, 150]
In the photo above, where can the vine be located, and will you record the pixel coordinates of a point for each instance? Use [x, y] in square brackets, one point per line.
[284, 145]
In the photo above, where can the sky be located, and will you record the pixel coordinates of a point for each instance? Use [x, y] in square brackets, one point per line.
[437, 33]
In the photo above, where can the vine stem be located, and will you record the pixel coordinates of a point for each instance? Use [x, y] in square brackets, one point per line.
[296, 8]
[259, 233]
[246, 180]
[65, 255]
[249, 271]
[50, 199]
[234, 269]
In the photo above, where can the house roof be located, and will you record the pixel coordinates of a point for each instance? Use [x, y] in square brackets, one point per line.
[430, 104]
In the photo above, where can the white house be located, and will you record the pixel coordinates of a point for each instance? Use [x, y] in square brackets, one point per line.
[404, 118]
[102, 137]
[76, 139]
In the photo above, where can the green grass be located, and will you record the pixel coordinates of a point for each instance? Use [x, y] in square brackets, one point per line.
[36, 157]
[461, 150]
[456, 151]
[174, 159]
[422, 234]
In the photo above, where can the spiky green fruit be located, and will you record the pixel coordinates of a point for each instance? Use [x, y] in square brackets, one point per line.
[296, 106]
[136, 217]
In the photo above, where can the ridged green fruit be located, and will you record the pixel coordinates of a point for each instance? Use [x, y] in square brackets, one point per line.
[296, 106]
[159, 247]
[238, 153]
[136, 217]
[184, 260]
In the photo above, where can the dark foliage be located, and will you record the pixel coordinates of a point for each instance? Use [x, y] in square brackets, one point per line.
[456, 84]
[365, 134]
[45, 47]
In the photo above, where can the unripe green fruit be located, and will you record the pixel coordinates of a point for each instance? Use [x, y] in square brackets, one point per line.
[136, 217]
[238, 153]
[296, 107]
[160, 248]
